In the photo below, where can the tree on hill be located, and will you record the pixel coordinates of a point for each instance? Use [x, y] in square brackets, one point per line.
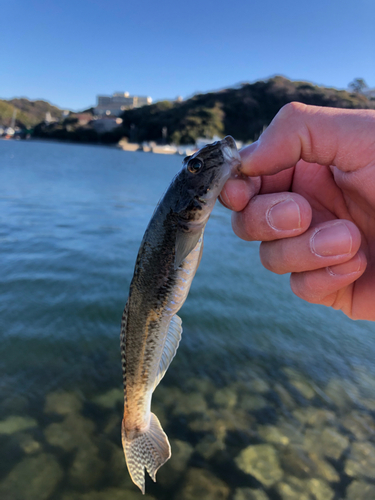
[358, 85]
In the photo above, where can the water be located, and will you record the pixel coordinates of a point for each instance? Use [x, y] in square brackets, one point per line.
[71, 221]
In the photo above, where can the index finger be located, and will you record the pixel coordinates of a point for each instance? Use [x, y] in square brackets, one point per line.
[328, 136]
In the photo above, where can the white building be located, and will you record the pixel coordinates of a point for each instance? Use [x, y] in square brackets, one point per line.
[119, 102]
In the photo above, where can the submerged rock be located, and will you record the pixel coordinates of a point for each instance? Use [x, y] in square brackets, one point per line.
[249, 494]
[324, 469]
[273, 434]
[187, 404]
[285, 397]
[167, 396]
[316, 417]
[172, 471]
[63, 403]
[107, 494]
[304, 387]
[110, 398]
[16, 423]
[225, 397]
[299, 382]
[113, 425]
[87, 468]
[222, 420]
[342, 393]
[289, 430]
[365, 380]
[320, 489]
[359, 490]
[258, 385]
[75, 431]
[200, 483]
[34, 478]
[368, 403]
[361, 462]
[209, 446]
[326, 443]
[253, 402]
[29, 444]
[260, 461]
[297, 489]
[293, 489]
[334, 443]
[202, 385]
[297, 462]
[361, 425]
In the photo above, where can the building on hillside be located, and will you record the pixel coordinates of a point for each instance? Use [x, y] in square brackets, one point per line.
[118, 102]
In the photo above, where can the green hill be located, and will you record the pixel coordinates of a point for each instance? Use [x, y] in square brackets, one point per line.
[243, 111]
[29, 113]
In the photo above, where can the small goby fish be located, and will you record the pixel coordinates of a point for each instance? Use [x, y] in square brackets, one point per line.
[168, 258]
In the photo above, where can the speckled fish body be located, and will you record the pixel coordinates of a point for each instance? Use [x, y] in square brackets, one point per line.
[168, 258]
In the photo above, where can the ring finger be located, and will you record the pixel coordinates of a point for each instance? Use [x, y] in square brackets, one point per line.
[326, 244]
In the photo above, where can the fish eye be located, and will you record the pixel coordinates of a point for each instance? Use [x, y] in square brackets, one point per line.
[195, 165]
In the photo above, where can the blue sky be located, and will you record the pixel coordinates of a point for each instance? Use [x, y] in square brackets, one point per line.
[69, 51]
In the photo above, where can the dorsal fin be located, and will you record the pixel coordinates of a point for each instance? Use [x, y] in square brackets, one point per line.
[170, 347]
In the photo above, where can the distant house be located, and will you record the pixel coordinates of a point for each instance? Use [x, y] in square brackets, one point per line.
[83, 118]
[115, 104]
[106, 124]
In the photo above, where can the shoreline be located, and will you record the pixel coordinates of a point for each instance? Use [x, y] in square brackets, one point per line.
[127, 147]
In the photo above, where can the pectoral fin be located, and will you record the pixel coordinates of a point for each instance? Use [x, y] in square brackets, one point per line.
[185, 243]
[170, 347]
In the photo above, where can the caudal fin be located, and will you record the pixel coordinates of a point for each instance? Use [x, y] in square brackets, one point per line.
[149, 449]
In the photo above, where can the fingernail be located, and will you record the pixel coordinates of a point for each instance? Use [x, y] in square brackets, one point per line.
[284, 216]
[332, 240]
[352, 266]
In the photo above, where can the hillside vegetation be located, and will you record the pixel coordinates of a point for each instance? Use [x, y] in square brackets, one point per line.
[28, 113]
[243, 112]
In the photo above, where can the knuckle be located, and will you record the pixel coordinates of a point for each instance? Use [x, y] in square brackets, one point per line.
[291, 109]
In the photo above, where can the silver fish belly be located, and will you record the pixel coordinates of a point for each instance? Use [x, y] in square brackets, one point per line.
[167, 261]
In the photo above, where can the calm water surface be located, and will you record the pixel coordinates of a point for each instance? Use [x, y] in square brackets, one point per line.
[71, 221]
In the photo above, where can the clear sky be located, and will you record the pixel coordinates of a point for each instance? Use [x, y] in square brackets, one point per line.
[68, 51]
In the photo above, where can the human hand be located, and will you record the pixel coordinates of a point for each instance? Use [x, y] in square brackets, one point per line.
[311, 201]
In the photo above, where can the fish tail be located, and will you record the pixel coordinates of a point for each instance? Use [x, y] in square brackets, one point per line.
[148, 449]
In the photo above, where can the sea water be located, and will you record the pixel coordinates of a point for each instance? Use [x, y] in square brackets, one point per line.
[260, 377]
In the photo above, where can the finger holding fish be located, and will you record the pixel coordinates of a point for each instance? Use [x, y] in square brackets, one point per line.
[269, 217]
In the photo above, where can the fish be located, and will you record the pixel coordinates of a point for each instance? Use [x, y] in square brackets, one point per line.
[168, 258]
